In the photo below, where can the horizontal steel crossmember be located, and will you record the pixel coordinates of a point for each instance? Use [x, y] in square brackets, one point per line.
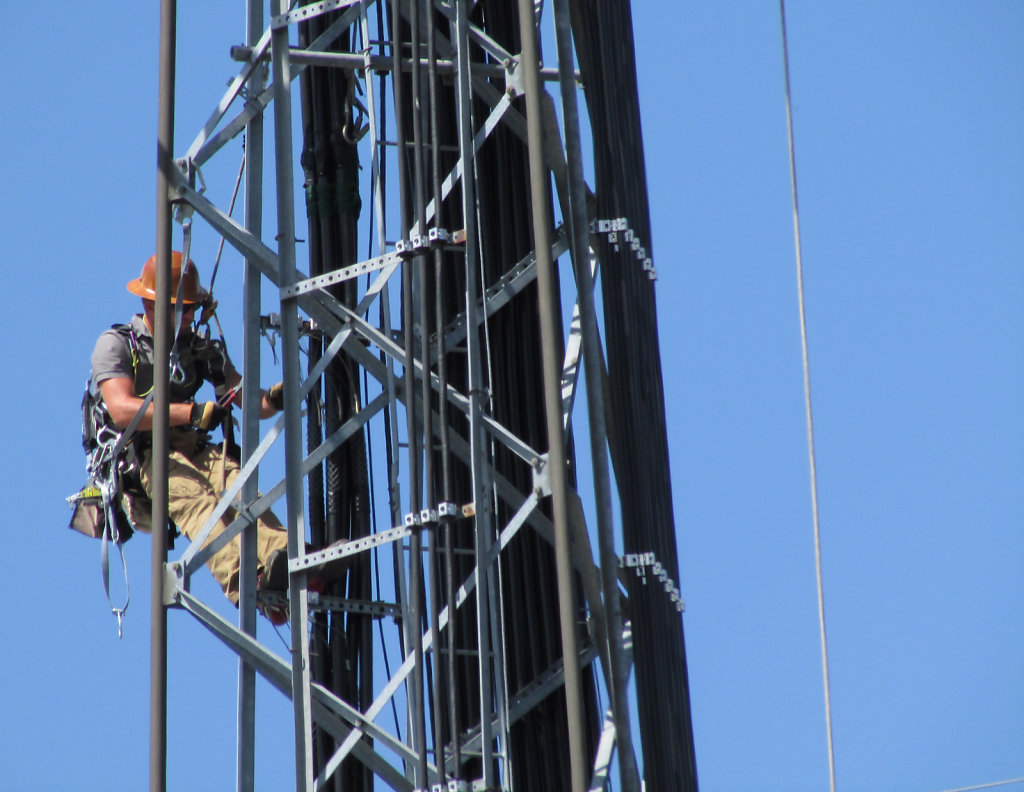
[337, 717]
[323, 604]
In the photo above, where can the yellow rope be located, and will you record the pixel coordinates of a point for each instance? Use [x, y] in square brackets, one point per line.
[807, 401]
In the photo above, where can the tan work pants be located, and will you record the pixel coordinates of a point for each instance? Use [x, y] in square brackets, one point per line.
[194, 484]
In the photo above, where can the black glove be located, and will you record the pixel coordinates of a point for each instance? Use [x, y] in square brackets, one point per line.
[212, 356]
[205, 415]
[275, 396]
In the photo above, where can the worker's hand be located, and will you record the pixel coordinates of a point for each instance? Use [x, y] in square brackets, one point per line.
[275, 396]
[213, 358]
[209, 306]
[205, 415]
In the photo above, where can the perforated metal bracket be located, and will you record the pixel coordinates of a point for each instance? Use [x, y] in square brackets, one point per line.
[319, 558]
[321, 603]
[339, 275]
[306, 12]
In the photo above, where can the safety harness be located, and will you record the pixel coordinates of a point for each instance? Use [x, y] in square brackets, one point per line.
[110, 454]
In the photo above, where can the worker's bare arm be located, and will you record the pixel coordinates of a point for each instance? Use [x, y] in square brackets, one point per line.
[266, 408]
[122, 404]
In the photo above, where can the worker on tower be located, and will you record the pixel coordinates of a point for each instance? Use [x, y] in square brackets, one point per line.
[197, 470]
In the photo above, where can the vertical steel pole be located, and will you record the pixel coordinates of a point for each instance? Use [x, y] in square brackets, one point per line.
[434, 529]
[245, 771]
[417, 729]
[550, 327]
[444, 452]
[481, 481]
[422, 487]
[161, 416]
[293, 438]
[619, 670]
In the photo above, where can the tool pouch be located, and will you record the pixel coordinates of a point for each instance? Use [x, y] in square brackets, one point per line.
[89, 517]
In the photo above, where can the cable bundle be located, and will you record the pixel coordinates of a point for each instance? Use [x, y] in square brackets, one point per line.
[636, 419]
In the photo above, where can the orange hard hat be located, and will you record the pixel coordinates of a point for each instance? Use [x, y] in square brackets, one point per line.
[145, 285]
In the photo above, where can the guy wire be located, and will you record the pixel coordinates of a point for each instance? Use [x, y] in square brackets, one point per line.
[988, 786]
[807, 402]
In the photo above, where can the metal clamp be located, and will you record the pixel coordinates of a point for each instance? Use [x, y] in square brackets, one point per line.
[611, 229]
[514, 84]
[541, 477]
[640, 562]
[174, 582]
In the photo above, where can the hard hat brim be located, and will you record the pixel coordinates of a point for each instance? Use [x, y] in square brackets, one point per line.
[136, 287]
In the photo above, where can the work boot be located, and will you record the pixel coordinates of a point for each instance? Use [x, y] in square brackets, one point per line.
[274, 575]
[276, 614]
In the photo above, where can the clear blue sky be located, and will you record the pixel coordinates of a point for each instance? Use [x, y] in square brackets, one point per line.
[911, 173]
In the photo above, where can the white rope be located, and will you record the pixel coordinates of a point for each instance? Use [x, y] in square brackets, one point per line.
[807, 402]
[988, 786]
[231, 211]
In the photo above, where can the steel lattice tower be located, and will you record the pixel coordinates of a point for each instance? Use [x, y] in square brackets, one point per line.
[454, 348]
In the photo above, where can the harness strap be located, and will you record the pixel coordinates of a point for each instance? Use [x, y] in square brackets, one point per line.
[111, 534]
[129, 430]
[109, 486]
[179, 304]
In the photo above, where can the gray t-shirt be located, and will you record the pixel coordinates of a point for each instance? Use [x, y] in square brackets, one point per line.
[112, 357]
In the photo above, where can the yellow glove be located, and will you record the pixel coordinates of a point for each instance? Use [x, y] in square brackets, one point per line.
[207, 414]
